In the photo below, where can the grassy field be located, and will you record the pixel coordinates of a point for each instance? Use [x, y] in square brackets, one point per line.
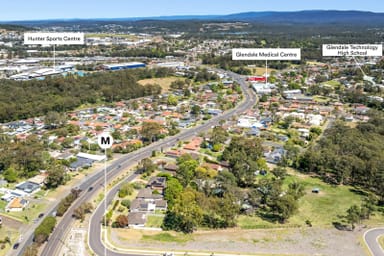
[167, 237]
[321, 209]
[2, 204]
[259, 71]
[13, 235]
[326, 207]
[163, 82]
[321, 99]
[154, 221]
[381, 241]
[333, 83]
[314, 63]
[30, 213]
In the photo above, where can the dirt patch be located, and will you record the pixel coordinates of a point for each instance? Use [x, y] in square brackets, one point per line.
[303, 241]
[163, 82]
[10, 222]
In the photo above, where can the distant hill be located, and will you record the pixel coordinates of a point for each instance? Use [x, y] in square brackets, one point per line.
[298, 17]
[13, 27]
[310, 17]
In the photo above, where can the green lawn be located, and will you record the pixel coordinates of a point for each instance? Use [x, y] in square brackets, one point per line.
[332, 83]
[154, 221]
[168, 237]
[2, 205]
[326, 207]
[30, 213]
[321, 99]
[321, 209]
[40, 193]
[381, 241]
[14, 236]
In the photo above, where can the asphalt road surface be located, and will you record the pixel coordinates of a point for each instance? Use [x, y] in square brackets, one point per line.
[96, 180]
[371, 238]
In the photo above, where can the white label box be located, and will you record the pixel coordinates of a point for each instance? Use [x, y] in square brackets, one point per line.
[266, 54]
[52, 38]
[352, 50]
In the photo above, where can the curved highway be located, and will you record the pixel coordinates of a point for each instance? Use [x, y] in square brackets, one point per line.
[371, 238]
[96, 180]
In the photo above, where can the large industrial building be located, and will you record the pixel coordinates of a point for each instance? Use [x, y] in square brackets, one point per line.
[121, 66]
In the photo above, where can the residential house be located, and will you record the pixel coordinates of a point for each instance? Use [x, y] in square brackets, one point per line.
[17, 204]
[146, 194]
[28, 187]
[141, 205]
[158, 184]
[136, 219]
[80, 163]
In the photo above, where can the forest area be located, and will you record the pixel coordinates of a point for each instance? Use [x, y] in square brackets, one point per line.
[24, 99]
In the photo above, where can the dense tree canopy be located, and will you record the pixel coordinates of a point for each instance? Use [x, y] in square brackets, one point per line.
[350, 155]
[243, 155]
[23, 99]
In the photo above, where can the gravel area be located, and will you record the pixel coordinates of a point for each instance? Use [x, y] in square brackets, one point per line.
[303, 241]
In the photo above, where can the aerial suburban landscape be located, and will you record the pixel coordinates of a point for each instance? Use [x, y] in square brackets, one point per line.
[168, 128]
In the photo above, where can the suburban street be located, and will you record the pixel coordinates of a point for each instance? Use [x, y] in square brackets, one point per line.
[371, 239]
[96, 180]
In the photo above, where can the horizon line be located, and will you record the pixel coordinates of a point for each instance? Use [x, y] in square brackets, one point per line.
[180, 15]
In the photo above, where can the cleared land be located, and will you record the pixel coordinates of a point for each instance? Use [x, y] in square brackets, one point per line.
[10, 227]
[165, 82]
[304, 241]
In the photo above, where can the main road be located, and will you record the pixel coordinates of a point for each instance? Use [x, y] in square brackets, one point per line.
[371, 238]
[115, 168]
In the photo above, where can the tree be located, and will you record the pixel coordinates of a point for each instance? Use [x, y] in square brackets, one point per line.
[147, 166]
[172, 100]
[173, 189]
[43, 231]
[186, 170]
[279, 172]
[285, 206]
[243, 155]
[54, 120]
[150, 131]
[121, 221]
[79, 213]
[195, 110]
[127, 202]
[218, 135]
[10, 174]
[125, 190]
[55, 176]
[353, 215]
[185, 215]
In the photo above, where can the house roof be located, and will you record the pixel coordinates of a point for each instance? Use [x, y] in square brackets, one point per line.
[27, 186]
[17, 202]
[157, 182]
[161, 203]
[146, 193]
[38, 179]
[138, 205]
[81, 162]
[136, 218]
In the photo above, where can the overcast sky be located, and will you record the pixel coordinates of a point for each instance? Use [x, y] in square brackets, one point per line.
[51, 9]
